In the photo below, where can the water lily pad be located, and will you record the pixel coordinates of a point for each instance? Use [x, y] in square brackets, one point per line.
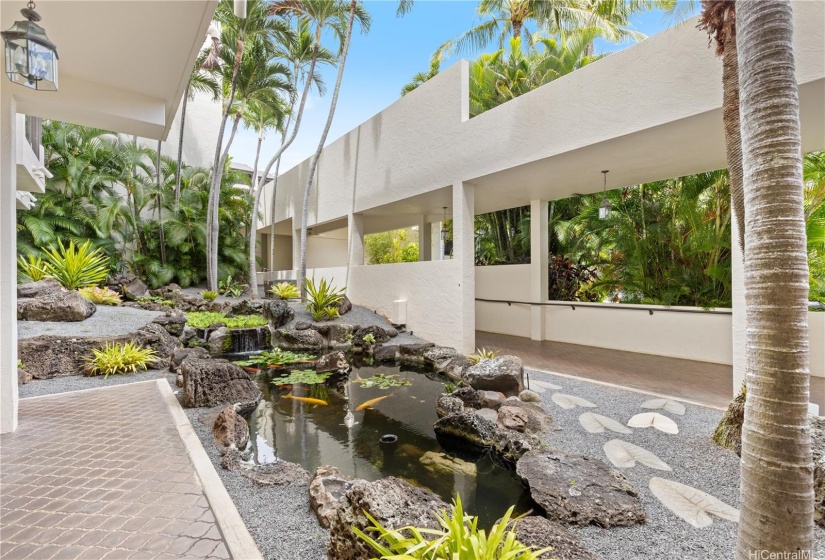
[690, 504]
[625, 455]
[382, 381]
[596, 424]
[571, 401]
[302, 377]
[668, 405]
[654, 420]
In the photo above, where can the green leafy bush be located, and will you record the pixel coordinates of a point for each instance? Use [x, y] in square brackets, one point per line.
[481, 354]
[209, 295]
[458, 539]
[31, 269]
[202, 320]
[285, 290]
[322, 296]
[229, 287]
[100, 296]
[369, 338]
[276, 357]
[76, 267]
[117, 358]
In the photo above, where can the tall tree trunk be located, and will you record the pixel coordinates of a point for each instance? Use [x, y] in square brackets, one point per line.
[252, 285]
[180, 142]
[272, 208]
[733, 133]
[212, 222]
[159, 202]
[776, 491]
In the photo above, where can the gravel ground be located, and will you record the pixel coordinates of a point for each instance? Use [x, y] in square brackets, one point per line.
[356, 316]
[40, 387]
[107, 321]
[279, 519]
[694, 458]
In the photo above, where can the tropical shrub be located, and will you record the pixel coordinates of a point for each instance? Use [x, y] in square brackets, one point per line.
[31, 269]
[285, 290]
[100, 296]
[458, 539]
[570, 281]
[229, 287]
[331, 312]
[76, 267]
[203, 319]
[322, 296]
[369, 338]
[481, 354]
[209, 295]
[120, 358]
[391, 247]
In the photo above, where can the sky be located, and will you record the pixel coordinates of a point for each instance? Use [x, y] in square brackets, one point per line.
[380, 63]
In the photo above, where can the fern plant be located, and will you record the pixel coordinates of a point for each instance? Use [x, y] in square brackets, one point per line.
[481, 354]
[100, 296]
[458, 539]
[76, 267]
[31, 269]
[120, 358]
[285, 290]
[209, 295]
[322, 296]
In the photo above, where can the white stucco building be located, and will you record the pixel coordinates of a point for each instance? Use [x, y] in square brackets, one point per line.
[647, 113]
[123, 67]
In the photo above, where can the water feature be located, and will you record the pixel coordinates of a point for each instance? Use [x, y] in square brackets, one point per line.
[392, 437]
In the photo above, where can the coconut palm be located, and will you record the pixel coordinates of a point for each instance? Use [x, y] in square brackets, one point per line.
[341, 21]
[776, 483]
[718, 18]
[421, 77]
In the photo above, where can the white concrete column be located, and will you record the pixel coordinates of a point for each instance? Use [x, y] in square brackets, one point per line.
[8, 267]
[539, 247]
[739, 320]
[296, 245]
[356, 239]
[425, 242]
[464, 253]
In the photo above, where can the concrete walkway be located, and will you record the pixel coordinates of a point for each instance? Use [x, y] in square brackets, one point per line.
[700, 382]
[109, 473]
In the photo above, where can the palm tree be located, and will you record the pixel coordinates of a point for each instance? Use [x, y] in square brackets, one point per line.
[236, 33]
[421, 77]
[719, 19]
[339, 21]
[776, 484]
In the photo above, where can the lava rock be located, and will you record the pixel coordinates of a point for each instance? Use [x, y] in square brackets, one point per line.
[279, 473]
[338, 335]
[39, 288]
[57, 356]
[819, 492]
[487, 414]
[156, 337]
[446, 361]
[448, 404]
[230, 430]
[512, 418]
[326, 488]
[385, 353]
[232, 460]
[277, 312]
[173, 321]
[580, 490]
[334, 361]
[469, 396]
[247, 307]
[23, 376]
[128, 285]
[529, 396]
[219, 342]
[180, 354]
[289, 339]
[393, 502]
[492, 399]
[414, 353]
[64, 306]
[541, 533]
[503, 373]
[472, 435]
[344, 306]
[537, 418]
[380, 335]
[302, 326]
[212, 382]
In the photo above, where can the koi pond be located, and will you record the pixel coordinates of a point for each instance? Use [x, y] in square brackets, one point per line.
[374, 422]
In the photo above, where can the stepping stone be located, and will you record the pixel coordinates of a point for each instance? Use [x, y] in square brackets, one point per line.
[654, 420]
[571, 401]
[690, 504]
[625, 455]
[668, 405]
[596, 424]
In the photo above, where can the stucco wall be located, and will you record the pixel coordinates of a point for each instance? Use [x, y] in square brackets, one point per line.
[503, 282]
[326, 252]
[816, 334]
[431, 289]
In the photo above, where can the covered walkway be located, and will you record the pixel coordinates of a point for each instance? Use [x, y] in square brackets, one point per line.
[700, 382]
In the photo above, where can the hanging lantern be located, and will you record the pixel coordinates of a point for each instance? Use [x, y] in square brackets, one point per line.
[31, 58]
[605, 207]
[444, 231]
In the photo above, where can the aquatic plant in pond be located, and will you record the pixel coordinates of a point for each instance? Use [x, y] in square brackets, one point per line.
[382, 381]
[276, 358]
[202, 320]
[302, 377]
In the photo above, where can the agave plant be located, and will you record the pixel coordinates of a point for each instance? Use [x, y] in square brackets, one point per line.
[322, 296]
[285, 290]
[117, 358]
[31, 269]
[77, 267]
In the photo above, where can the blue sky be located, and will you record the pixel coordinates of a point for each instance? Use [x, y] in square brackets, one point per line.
[380, 63]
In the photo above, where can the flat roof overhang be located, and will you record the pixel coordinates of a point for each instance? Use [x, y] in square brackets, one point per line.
[124, 64]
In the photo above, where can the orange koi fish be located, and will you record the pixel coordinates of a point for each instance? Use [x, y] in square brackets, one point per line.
[372, 402]
[307, 400]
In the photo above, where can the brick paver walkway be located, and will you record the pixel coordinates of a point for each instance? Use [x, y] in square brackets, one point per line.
[102, 474]
[701, 382]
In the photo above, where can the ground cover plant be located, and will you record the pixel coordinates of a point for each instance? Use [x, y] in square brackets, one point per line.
[119, 358]
[209, 295]
[203, 319]
[276, 358]
[382, 381]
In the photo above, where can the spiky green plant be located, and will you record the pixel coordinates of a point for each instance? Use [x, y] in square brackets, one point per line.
[31, 269]
[100, 296]
[322, 295]
[458, 539]
[209, 295]
[285, 290]
[76, 266]
[119, 358]
[481, 354]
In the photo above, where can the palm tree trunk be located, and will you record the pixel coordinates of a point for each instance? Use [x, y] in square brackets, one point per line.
[159, 202]
[272, 208]
[252, 285]
[212, 222]
[733, 134]
[776, 488]
[180, 141]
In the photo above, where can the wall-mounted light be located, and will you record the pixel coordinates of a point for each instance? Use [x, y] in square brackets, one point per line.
[605, 207]
[444, 231]
[31, 58]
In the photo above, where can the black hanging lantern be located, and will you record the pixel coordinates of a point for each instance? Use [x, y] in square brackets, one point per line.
[605, 207]
[31, 58]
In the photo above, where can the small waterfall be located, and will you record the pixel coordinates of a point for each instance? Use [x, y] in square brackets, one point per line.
[249, 340]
